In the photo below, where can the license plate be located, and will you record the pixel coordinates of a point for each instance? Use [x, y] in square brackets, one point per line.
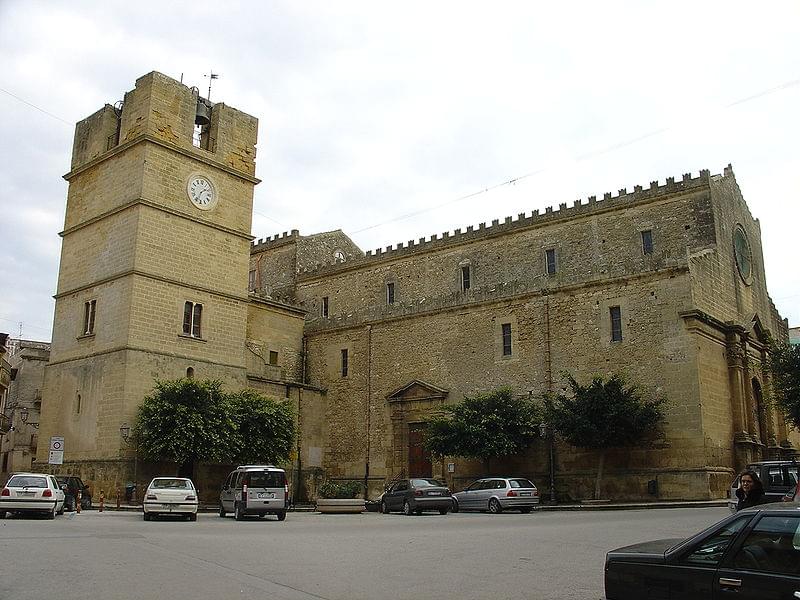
[26, 494]
[166, 506]
[524, 493]
[434, 493]
[265, 495]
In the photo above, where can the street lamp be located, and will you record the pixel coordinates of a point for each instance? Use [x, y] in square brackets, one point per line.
[546, 431]
[125, 434]
[23, 416]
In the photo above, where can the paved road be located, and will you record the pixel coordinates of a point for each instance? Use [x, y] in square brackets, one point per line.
[110, 556]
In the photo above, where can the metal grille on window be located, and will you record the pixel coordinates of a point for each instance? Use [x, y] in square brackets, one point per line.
[390, 293]
[88, 316]
[344, 362]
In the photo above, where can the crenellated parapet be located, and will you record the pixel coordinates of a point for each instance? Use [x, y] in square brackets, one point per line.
[275, 241]
[623, 198]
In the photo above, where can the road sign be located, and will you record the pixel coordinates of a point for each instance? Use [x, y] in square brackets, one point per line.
[56, 457]
[57, 443]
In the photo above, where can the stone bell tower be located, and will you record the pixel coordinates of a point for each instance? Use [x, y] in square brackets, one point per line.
[154, 266]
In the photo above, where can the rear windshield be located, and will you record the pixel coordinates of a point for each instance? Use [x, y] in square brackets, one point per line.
[27, 481]
[521, 483]
[266, 479]
[176, 484]
[421, 483]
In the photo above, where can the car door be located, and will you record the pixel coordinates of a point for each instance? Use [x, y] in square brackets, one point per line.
[766, 564]
[226, 494]
[690, 572]
[397, 494]
[466, 499]
[58, 493]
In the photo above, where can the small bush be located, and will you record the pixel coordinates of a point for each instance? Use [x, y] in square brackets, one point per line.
[339, 489]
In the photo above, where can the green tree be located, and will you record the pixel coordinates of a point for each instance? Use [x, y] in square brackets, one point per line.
[605, 414]
[487, 426]
[186, 421]
[785, 367]
[265, 428]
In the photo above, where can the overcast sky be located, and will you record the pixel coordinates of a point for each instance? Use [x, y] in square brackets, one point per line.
[370, 112]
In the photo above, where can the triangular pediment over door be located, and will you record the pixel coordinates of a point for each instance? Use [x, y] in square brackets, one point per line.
[417, 390]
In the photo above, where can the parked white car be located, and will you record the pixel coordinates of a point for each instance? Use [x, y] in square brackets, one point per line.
[170, 496]
[32, 493]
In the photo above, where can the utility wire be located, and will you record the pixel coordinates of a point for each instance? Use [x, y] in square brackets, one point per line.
[49, 114]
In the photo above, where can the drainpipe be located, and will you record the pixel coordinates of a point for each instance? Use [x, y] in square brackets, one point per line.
[369, 396]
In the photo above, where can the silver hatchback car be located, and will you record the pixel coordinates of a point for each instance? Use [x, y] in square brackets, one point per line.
[496, 494]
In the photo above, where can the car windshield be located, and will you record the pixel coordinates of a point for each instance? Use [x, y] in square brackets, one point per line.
[179, 484]
[266, 479]
[27, 481]
[521, 483]
[420, 483]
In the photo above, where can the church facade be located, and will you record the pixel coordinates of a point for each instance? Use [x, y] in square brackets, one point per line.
[159, 278]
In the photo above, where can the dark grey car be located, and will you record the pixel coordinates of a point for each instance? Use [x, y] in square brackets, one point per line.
[412, 496]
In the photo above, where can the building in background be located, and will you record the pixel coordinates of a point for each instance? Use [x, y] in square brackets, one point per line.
[159, 279]
[794, 335]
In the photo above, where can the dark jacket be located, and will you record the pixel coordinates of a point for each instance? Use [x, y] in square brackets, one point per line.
[755, 497]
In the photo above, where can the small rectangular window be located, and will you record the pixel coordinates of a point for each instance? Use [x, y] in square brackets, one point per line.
[390, 293]
[550, 256]
[325, 307]
[616, 324]
[273, 357]
[647, 241]
[251, 281]
[465, 278]
[506, 339]
[344, 362]
[192, 319]
[89, 309]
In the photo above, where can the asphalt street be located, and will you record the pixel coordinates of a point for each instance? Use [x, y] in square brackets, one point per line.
[116, 555]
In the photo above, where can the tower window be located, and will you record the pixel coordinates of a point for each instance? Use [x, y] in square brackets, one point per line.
[390, 293]
[465, 278]
[251, 280]
[190, 373]
[325, 307]
[550, 259]
[344, 362]
[647, 241]
[78, 404]
[89, 309]
[506, 339]
[273, 357]
[616, 323]
[192, 318]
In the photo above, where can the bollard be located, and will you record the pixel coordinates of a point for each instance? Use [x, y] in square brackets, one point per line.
[102, 500]
[78, 502]
[117, 499]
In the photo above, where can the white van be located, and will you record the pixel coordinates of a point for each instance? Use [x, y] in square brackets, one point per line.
[255, 490]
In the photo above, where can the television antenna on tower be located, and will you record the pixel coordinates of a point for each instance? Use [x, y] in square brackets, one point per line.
[211, 77]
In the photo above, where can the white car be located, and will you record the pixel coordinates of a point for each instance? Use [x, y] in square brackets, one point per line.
[170, 496]
[32, 493]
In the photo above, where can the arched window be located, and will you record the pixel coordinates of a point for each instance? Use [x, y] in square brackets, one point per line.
[190, 373]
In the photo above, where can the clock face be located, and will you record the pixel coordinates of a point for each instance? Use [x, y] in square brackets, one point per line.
[201, 192]
[741, 250]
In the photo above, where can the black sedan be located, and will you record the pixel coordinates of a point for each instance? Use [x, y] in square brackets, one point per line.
[753, 554]
[412, 496]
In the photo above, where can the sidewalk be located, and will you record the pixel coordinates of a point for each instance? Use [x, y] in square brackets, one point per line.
[212, 508]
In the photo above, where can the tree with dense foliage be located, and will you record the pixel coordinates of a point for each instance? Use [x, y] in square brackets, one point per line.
[187, 421]
[265, 428]
[784, 364]
[604, 414]
[490, 425]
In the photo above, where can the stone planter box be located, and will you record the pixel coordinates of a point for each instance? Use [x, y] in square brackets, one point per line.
[340, 506]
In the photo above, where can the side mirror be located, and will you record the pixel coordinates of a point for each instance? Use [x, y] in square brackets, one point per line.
[64, 487]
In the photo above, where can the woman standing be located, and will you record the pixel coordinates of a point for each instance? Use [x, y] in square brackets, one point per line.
[750, 492]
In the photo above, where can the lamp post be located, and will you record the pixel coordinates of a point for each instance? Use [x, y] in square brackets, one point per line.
[125, 433]
[546, 431]
[23, 416]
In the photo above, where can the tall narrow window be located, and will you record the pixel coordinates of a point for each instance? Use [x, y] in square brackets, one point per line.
[251, 281]
[647, 241]
[192, 319]
[273, 357]
[506, 339]
[616, 324]
[325, 307]
[390, 293]
[550, 258]
[88, 316]
[344, 362]
[465, 278]
[78, 404]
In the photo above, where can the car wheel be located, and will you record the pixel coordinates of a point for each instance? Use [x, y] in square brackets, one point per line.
[222, 512]
[455, 506]
[384, 508]
[86, 502]
[443, 511]
[52, 514]
[494, 506]
[238, 512]
[2, 514]
[145, 516]
[193, 517]
[525, 511]
[406, 508]
[281, 515]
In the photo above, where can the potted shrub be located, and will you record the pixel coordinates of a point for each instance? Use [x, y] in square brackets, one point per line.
[339, 497]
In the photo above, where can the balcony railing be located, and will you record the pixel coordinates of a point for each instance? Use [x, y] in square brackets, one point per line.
[5, 424]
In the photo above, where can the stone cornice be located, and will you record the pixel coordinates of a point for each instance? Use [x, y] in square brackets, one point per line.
[147, 351]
